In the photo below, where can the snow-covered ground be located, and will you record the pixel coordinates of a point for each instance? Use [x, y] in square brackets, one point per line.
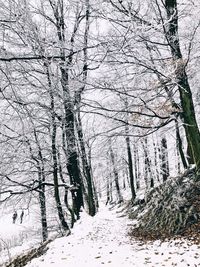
[15, 238]
[103, 241]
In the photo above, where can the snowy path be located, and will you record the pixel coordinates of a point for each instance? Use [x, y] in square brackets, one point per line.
[103, 241]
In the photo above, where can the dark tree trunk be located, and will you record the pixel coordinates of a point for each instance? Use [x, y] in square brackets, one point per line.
[95, 195]
[130, 165]
[73, 193]
[190, 157]
[107, 190]
[42, 196]
[41, 180]
[137, 166]
[72, 162]
[85, 163]
[188, 112]
[55, 178]
[147, 165]
[86, 168]
[180, 146]
[42, 200]
[156, 161]
[54, 155]
[109, 184]
[164, 159]
[116, 177]
[93, 181]
[65, 66]
[66, 193]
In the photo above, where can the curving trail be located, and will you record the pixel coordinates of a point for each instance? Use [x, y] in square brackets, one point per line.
[103, 241]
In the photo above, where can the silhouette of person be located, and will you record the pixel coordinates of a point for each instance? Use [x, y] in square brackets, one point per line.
[14, 216]
[21, 216]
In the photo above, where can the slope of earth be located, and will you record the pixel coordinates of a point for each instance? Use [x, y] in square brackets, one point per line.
[103, 241]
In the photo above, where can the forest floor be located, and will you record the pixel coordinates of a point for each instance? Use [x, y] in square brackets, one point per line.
[104, 241]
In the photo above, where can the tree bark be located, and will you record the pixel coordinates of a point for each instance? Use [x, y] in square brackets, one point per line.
[41, 179]
[65, 65]
[164, 159]
[188, 112]
[136, 166]
[66, 192]
[156, 160]
[55, 178]
[86, 168]
[116, 177]
[130, 165]
[180, 146]
[107, 190]
[147, 165]
[42, 200]
[54, 155]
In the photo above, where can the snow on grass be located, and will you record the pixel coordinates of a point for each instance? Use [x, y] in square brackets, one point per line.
[103, 241]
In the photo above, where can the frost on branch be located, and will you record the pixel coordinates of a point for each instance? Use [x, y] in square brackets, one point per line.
[169, 209]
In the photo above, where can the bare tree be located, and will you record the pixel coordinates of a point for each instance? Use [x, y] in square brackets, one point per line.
[166, 32]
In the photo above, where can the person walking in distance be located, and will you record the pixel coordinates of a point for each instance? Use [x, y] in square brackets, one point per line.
[21, 216]
[14, 217]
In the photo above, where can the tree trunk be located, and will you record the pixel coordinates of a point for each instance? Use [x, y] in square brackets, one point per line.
[116, 177]
[41, 180]
[180, 146]
[72, 162]
[42, 200]
[73, 193]
[107, 190]
[66, 193]
[55, 178]
[147, 165]
[137, 166]
[188, 112]
[164, 159]
[93, 181]
[130, 165]
[86, 168]
[65, 66]
[42, 196]
[156, 160]
[54, 155]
